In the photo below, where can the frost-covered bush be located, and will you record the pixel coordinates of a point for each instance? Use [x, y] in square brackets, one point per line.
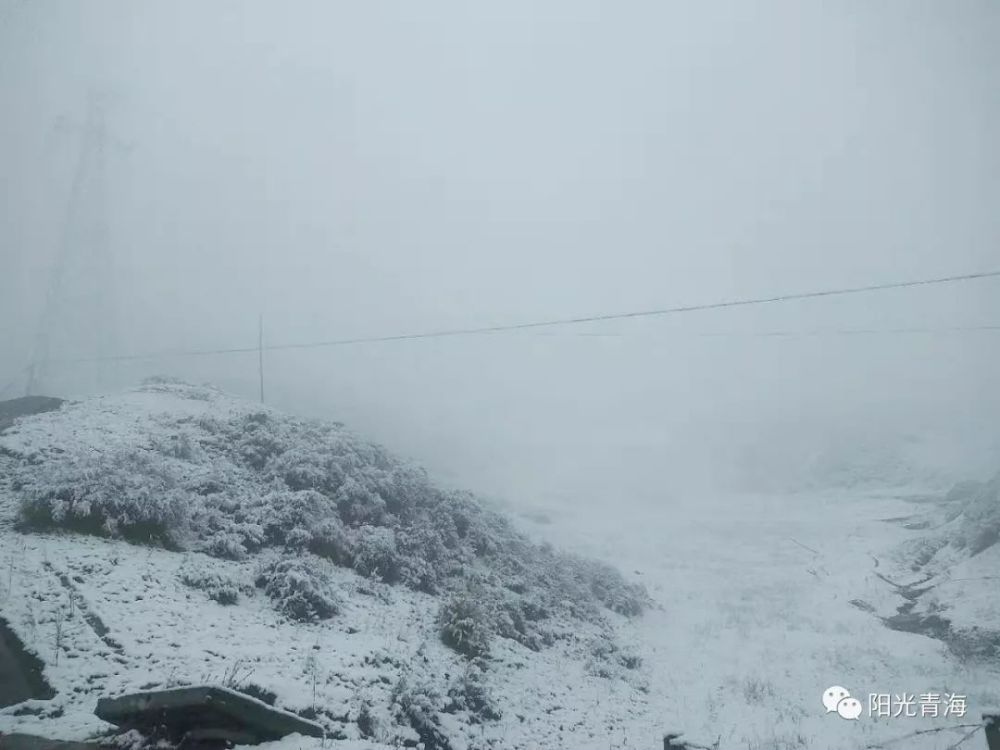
[154, 382]
[516, 617]
[585, 586]
[367, 721]
[299, 589]
[431, 553]
[465, 627]
[375, 554]
[359, 503]
[227, 545]
[471, 694]
[178, 387]
[332, 540]
[418, 705]
[610, 589]
[290, 517]
[609, 659]
[126, 493]
[181, 444]
[259, 439]
[217, 586]
[308, 468]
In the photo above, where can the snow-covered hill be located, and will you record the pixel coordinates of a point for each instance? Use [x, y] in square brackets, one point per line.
[178, 535]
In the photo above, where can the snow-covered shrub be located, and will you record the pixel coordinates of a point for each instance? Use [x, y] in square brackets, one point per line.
[299, 589]
[217, 586]
[630, 659]
[464, 626]
[259, 439]
[228, 545]
[178, 387]
[584, 586]
[609, 659]
[126, 493]
[471, 694]
[602, 661]
[509, 620]
[289, 517]
[375, 721]
[359, 503]
[155, 382]
[375, 554]
[404, 488]
[431, 553]
[182, 445]
[610, 589]
[418, 705]
[307, 470]
[332, 540]
[367, 721]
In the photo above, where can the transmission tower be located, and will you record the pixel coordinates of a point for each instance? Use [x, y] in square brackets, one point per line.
[81, 314]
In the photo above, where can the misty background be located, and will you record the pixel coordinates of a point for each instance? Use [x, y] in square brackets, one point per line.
[367, 169]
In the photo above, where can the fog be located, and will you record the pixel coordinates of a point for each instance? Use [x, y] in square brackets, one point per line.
[365, 169]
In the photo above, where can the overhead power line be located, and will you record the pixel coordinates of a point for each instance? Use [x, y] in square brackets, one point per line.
[800, 333]
[789, 334]
[553, 322]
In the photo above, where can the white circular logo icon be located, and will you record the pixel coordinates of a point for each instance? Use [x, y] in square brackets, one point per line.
[834, 695]
[849, 708]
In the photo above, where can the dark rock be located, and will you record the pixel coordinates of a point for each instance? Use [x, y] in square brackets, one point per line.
[991, 721]
[24, 407]
[180, 711]
[21, 676]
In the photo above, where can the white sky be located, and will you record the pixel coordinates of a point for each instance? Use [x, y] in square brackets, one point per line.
[354, 169]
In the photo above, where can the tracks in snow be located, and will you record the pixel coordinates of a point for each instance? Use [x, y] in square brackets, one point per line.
[96, 623]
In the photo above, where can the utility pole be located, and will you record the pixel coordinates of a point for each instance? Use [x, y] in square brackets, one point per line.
[83, 244]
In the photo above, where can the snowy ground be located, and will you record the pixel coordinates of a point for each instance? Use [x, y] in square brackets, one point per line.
[757, 621]
[753, 627]
[754, 621]
[160, 632]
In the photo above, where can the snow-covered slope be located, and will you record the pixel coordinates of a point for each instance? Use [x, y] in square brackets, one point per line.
[761, 601]
[955, 565]
[179, 535]
[862, 458]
